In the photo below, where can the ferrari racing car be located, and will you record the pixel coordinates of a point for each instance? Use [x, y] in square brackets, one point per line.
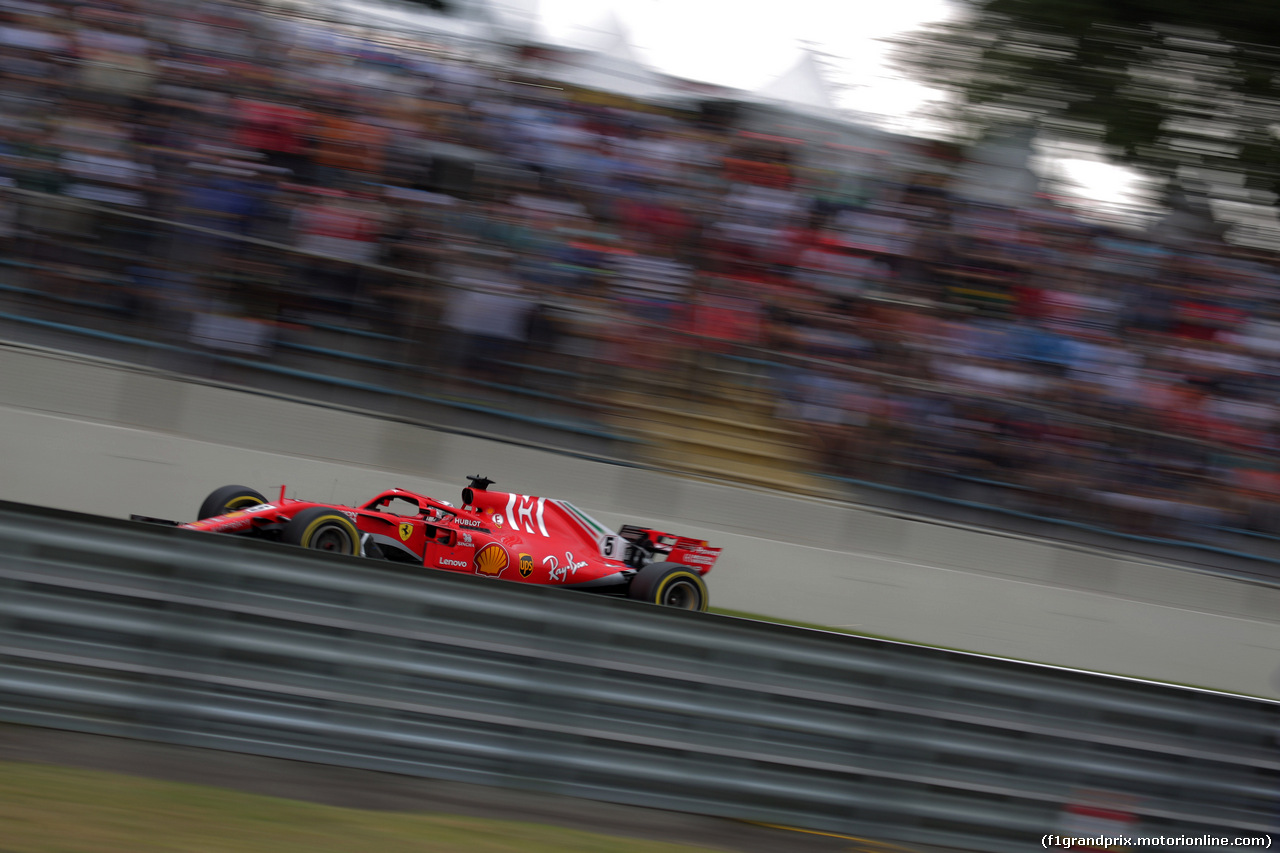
[504, 535]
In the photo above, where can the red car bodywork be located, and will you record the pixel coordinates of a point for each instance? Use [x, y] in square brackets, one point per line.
[515, 537]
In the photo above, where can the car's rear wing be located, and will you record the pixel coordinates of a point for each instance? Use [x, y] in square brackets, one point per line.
[673, 548]
[693, 552]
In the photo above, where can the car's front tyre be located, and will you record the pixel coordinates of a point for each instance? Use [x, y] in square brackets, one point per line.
[322, 529]
[670, 585]
[229, 499]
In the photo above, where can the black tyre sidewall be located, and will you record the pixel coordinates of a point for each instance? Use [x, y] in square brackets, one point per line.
[227, 499]
[303, 528]
[652, 582]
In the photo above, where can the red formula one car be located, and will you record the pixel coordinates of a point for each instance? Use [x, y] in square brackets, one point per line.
[504, 535]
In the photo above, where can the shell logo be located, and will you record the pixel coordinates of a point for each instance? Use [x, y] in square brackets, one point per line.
[492, 560]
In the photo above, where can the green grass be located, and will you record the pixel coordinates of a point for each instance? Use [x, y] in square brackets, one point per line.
[47, 809]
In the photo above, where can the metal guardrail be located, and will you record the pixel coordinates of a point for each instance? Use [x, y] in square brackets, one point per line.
[162, 634]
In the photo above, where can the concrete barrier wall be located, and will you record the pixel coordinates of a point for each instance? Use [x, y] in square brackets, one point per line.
[100, 437]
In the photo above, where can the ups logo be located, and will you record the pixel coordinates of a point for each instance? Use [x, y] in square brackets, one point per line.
[526, 565]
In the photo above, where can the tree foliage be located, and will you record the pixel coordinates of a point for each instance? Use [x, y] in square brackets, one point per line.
[1169, 86]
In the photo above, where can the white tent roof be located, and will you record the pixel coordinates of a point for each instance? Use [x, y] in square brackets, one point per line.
[603, 58]
[516, 20]
[998, 170]
[803, 86]
[611, 74]
[606, 35]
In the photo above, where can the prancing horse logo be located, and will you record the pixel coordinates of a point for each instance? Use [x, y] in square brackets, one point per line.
[406, 530]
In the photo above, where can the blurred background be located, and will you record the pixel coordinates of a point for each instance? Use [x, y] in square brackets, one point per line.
[1011, 262]
[438, 211]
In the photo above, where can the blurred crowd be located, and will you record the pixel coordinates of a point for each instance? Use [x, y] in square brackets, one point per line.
[256, 169]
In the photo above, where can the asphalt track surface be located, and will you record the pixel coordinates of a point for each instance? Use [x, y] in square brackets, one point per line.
[375, 791]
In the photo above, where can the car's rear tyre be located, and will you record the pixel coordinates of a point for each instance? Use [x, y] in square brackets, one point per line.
[322, 530]
[229, 499]
[671, 585]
